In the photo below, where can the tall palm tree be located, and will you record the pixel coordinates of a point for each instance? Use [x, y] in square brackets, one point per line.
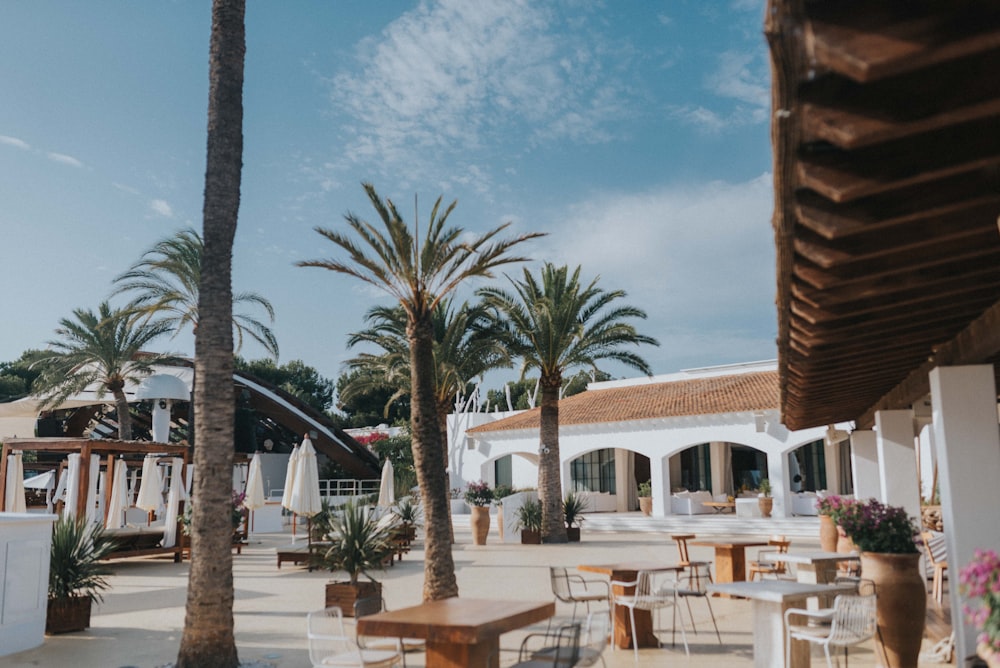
[207, 640]
[419, 274]
[464, 349]
[555, 323]
[167, 279]
[103, 349]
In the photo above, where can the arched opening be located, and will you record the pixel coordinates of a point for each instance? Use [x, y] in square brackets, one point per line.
[807, 467]
[749, 467]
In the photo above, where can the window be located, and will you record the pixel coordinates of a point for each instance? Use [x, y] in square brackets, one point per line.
[502, 472]
[594, 472]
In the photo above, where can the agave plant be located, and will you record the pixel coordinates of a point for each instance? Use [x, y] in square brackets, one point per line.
[75, 569]
[359, 541]
[408, 512]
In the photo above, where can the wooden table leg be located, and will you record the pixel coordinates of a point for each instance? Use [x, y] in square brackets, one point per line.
[730, 564]
[643, 628]
[483, 654]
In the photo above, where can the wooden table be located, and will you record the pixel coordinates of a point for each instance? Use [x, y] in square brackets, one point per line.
[719, 506]
[814, 567]
[770, 599]
[628, 571]
[460, 632]
[730, 557]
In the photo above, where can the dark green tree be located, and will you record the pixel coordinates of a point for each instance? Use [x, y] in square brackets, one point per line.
[296, 377]
[555, 323]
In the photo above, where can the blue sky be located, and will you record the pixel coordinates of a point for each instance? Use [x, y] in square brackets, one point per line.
[634, 132]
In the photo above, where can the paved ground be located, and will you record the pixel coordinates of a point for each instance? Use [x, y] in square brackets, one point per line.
[140, 621]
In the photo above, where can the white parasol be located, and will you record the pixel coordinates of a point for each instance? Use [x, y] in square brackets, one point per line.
[14, 491]
[150, 498]
[254, 497]
[119, 496]
[286, 493]
[387, 488]
[305, 499]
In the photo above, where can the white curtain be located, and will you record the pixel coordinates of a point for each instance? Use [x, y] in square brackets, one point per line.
[72, 484]
[14, 490]
[174, 498]
[119, 496]
[94, 516]
[150, 499]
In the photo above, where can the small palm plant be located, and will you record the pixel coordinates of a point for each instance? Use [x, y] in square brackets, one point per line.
[76, 576]
[359, 542]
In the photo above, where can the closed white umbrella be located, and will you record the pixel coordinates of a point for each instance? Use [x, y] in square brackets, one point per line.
[386, 490]
[72, 485]
[119, 496]
[14, 491]
[150, 498]
[305, 499]
[254, 497]
[286, 493]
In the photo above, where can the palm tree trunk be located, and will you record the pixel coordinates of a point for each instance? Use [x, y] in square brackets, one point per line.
[429, 461]
[443, 426]
[124, 417]
[208, 640]
[549, 480]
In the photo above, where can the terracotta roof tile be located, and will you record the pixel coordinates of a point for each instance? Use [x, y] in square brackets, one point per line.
[700, 396]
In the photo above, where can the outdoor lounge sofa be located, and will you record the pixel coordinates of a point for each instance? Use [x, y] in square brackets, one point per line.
[690, 503]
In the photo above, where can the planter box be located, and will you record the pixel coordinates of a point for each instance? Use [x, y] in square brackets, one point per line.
[66, 615]
[573, 534]
[343, 594]
[531, 537]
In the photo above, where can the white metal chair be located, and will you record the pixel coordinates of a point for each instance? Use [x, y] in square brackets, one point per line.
[643, 597]
[329, 645]
[572, 588]
[693, 583]
[593, 641]
[852, 621]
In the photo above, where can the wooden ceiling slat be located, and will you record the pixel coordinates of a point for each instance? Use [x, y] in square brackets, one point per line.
[871, 41]
[931, 328]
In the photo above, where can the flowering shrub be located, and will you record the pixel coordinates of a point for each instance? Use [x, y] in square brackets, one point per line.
[236, 510]
[981, 579]
[478, 494]
[876, 527]
[834, 506]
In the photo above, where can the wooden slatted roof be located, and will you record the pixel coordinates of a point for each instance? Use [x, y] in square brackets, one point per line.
[886, 136]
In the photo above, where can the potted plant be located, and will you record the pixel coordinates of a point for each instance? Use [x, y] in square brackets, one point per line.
[646, 497]
[573, 506]
[359, 543]
[409, 515]
[889, 558]
[979, 580]
[764, 500]
[500, 492]
[479, 495]
[76, 576]
[529, 521]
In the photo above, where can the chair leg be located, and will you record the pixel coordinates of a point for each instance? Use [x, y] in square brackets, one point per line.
[708, 602]
[635, 641]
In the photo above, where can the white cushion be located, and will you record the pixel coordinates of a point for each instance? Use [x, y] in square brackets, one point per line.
[683, 495]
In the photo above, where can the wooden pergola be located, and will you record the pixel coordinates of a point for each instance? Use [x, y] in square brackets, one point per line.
[886, 137]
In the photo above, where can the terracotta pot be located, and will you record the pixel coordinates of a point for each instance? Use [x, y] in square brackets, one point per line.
[500, 522]
[827, 534]
[845, 544]
[646, 505]
[766, 505]
[66, 615]
[991, 658]
[343, 594]
[902, 605]
[480, 524]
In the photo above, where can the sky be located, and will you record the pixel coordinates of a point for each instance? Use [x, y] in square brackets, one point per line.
[633, 132]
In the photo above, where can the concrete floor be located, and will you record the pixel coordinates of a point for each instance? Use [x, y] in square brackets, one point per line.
[140, 622]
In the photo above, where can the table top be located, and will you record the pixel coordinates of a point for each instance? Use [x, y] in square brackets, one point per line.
[456, 620]
[736, 542]
[629, 567]
[778, 591]
[810, 557]
[719, 504]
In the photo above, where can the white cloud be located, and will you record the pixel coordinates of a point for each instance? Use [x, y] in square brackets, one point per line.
[64, 159]
[15, 142]
[699, 258]
[124, 188]
[161, 207]
[737, 78]
[450, 76]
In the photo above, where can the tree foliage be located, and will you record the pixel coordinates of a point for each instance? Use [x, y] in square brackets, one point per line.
[296, 377]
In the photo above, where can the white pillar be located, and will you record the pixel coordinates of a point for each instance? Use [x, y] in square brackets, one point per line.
[778, 476]
[831, 457]
[897, 460]
[659, 472]
[161, 420]
[864, 460]
[717, 453]
[927, 462]
[967, 447]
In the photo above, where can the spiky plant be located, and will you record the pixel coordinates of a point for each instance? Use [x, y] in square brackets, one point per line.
[75, 568]
[359, 542]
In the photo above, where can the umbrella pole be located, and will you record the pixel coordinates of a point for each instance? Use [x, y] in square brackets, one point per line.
[295, 520]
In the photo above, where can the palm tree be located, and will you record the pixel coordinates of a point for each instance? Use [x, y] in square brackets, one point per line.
[554, 323]
[419, 274]
[102, 349]
[208, 640]
[166, 282]
[464, 349]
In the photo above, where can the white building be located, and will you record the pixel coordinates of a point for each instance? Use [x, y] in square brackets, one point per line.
[715, 429]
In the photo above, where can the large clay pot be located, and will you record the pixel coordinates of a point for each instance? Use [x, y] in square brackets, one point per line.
[991, 658]
[827, 534]
[845, 545]
[480, 524]
[766, 505]
[646, 505]
[902, 605]
[500, 522]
